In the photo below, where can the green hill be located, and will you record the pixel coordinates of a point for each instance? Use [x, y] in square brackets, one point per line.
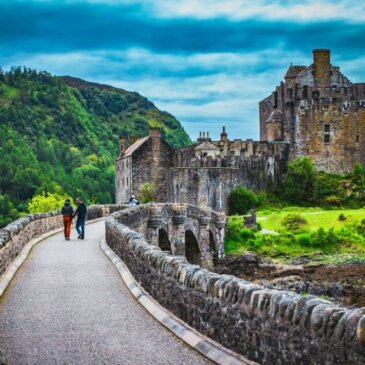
[61, 134]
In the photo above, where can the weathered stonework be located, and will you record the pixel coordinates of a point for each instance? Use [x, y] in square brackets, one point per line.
[268, 326]
[146, 160]
[316, 112]
[320, 113]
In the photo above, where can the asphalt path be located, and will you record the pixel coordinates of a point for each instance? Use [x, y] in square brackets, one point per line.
[68, 305]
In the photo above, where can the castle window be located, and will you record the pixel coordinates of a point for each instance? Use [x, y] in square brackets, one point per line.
[327, 133]
[127, 181]
[357, 138]
[127, 163]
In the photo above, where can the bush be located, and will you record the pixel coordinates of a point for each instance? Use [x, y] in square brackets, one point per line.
[304, 239]
[294, 222]
[342, 217]
[146, 193]
[46, 202]
[241, 200]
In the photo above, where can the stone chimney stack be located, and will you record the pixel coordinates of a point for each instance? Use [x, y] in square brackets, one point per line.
[322, 67]
[156, 170]
[122, 146]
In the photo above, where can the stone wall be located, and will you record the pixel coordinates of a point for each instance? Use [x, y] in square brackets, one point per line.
[268, 326]
[320, 113]
[17, 234]
[208, 182]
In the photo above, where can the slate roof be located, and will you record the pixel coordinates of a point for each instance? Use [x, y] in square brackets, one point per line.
[207, 146]
[134, 147]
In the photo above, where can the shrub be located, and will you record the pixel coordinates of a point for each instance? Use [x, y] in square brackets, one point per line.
[304, 239]
[342, 217]
[241, 200]
[146, 193]
[294, 222]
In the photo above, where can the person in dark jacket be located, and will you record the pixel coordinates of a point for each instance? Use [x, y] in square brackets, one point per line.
[67, 211]
[81, 218]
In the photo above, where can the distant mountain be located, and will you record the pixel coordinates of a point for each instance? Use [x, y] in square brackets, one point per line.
[62, 133]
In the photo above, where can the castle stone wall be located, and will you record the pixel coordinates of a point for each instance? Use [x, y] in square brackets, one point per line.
[268, 326]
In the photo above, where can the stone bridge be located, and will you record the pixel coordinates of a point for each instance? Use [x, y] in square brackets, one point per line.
[180, 229]
[267, 326]
[67, 305]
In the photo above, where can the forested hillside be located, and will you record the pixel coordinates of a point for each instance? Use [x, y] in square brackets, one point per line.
[61, 135]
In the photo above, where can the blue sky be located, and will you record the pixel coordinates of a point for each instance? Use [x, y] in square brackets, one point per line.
[208, 62]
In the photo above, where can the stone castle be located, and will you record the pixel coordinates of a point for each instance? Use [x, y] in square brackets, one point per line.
[315, 112]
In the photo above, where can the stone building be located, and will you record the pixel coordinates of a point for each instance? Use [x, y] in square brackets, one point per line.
[315, 112]
[203, 173]
[146, 160]
[320, 113]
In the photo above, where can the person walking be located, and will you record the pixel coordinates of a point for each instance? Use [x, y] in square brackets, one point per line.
[80, 212]
[67, 211]
[133, 201]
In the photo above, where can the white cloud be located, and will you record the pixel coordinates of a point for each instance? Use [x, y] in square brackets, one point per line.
[291, 10]
[200, 90]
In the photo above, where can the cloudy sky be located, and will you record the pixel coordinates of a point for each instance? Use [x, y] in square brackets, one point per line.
[208, 62]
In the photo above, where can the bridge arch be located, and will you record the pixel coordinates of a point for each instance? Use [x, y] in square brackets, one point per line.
[163, 240]
[192, 250]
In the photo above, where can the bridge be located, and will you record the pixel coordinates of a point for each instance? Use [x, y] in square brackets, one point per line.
[64, 302]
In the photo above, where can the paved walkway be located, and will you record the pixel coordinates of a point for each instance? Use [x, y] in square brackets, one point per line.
[68, 305]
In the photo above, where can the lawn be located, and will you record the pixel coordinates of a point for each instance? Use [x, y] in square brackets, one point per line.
[324, 238]
[316, 217]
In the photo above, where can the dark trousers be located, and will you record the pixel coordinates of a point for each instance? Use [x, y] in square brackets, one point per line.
[80, 227]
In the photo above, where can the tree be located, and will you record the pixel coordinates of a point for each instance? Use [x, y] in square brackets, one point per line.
[241, 200]
[146, 192]
[357, 179]
[299, 182]
[46, 202]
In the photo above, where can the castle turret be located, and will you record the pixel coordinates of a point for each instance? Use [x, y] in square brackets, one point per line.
[322, 67]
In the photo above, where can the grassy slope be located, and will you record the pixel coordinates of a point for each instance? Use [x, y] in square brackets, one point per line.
[286, 247]
[316, 217]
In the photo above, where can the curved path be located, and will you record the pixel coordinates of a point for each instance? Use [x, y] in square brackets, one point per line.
[68, 305]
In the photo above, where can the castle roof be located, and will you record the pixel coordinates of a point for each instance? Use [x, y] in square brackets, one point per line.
[293, 71]
[134, 147]
[206, 145]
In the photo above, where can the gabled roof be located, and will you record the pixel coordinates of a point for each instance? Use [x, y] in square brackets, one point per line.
[206, 145]
[134, 147]
[293, 71]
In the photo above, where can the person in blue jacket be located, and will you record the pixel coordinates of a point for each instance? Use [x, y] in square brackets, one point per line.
[80, 212]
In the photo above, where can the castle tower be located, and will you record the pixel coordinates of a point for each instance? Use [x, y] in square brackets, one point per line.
[322, 67]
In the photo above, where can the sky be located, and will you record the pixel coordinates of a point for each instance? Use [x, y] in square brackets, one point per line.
[208, 62]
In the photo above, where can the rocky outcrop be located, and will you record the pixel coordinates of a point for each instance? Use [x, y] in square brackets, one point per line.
[265, 325]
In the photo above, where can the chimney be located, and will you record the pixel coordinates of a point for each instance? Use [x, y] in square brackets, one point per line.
[223, 134]
[155, 132]
[122, 146]
[322, 67]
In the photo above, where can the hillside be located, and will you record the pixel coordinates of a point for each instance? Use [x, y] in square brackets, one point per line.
[61, 134]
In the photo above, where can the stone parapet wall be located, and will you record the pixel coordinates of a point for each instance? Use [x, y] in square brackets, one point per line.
[17, 234]
[268, 326]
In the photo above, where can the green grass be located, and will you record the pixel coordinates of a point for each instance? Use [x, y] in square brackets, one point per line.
[324, 239]
[316, 218]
